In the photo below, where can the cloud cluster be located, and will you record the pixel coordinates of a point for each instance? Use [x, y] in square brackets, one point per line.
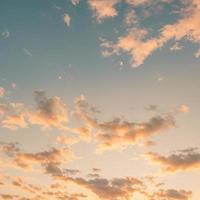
[13, 115]
[118, 133]
[103, 9]
[27, 160]
[188, 159]
[49, 112]
[171, 194]
[139, 43]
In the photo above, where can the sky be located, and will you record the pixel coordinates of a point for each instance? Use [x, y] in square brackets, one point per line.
[99, 100]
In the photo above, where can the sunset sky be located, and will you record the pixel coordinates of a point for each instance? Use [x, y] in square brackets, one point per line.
[99, 100]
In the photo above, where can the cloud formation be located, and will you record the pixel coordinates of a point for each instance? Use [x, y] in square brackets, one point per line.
[2, 91]
[50, 112]
[171, 194]
[103, 9]
[188, 159]
[67, 19]
[139, 43]
[118, 133]
[24, 160]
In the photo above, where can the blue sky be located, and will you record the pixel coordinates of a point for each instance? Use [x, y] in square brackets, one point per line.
[97, 96]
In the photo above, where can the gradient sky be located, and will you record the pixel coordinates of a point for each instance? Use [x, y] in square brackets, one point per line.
[99, 99]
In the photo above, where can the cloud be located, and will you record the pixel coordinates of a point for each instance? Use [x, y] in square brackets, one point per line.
[151, 107]
[5, 34]
[131, 18]
[188, 159]
[184, 109]
[138, 2]
[176, 47]
[50, 112]
[118, 133]
[67, 19]
[62, 139]
[136, 44]
[2, 91]
[75, 2]
[172, 194]
[117, 188]
[13, 116]
[13, 122]
[197, 54]
[139, 43]
[84, 133]
[24, 160]
[103, 9]
[53, 156]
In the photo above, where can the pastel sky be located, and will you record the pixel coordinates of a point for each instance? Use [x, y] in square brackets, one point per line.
[99, 99]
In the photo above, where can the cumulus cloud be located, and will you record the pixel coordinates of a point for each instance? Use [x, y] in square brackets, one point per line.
[136, 44]
[139, 44]
[131, 18]
[53, 156]
[13, 115]
[50, 112]
[184, 109]
[117, 188]
[103, 9]
[25, 160]
[172, 194]
[118, 133]
[188, 159]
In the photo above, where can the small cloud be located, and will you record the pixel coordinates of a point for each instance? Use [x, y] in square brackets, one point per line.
[2, 91]
[184, 109]
[13, 85]
[160, 78]
[197, 54]
[187, 159]
[27, 52]
[176, 47]
[75, 2]
[67, 19]
[103, 9]
[151, 107]
[5, 34]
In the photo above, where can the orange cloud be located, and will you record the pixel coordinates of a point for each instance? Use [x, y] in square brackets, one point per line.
[140, 45]
[187, 159]
[50, 112]
[67, 19]
[172, 194]
[2, 91]
[103, 9]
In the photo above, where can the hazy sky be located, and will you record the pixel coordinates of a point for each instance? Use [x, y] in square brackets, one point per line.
[99, 99]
